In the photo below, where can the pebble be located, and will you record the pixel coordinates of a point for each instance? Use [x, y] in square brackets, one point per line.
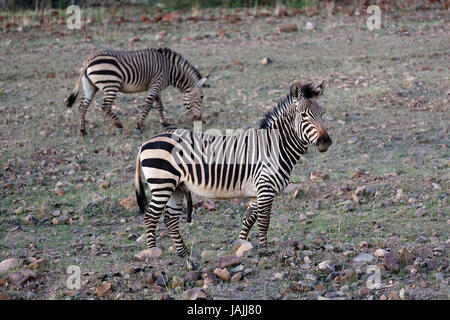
[363, 257]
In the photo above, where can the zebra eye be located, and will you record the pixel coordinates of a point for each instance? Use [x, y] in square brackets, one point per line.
[303, 114]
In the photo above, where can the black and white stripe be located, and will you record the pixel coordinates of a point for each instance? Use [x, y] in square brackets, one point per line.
[256, 164]
[150, 70]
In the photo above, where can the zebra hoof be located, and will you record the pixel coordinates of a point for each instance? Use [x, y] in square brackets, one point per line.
[82, 133]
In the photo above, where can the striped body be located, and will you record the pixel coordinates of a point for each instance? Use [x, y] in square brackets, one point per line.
[254, 164]
[150, 70]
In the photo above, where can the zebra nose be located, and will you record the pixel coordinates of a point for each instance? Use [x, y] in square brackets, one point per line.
[323, 143]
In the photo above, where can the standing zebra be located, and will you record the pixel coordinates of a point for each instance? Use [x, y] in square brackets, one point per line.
[256, 164]
[149, 70]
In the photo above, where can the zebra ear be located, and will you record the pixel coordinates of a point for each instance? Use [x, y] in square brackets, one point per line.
[320, 88]
[296, 89]
[202, 81]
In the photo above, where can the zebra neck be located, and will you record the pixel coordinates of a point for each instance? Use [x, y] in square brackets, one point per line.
[291, 146]
[183, 76]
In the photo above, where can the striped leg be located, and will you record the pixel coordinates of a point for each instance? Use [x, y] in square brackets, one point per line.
[264, 207]
[249, 220]
[89, 92]
[110, 95]
[172, 219]
[151, 217]
[153, 95]
[162, 119]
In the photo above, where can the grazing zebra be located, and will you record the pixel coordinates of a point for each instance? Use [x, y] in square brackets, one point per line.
[256, 164]
[149, 70]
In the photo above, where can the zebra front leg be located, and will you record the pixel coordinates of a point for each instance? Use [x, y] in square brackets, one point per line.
[162, 119]
[172, 219]
[152, 95]
[264, 209]
[249, 220]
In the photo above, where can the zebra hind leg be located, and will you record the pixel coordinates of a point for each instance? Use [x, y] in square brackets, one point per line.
[172, 219]
[110, 95]
[89, 92]
[152, 214]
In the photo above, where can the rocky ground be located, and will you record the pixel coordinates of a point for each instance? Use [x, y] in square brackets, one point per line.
[368, 219]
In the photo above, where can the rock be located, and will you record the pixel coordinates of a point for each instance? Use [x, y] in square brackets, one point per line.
[393, 295]
[350, 276]
[307, 260]
[104, 185]
[310, 26]
[194, 294]
[207, 255]
[287, 28]
[223, 274]
[103, 289]
[162, 280]
[383, 297]
[402, 294]
[363, 257]
[142, 238]
[177, 282]
[237, 277]
[365, 191]
[348, 253]
[266, 60]
[17, 278]
[379, 253]
[128, 203]
[30, 220]
[60, 192]
[161, 35]
[278, 275]
[391, 262]
[153, 253]
[98, 197]
[244, 247]
[229, 261]
[406, 257]
[421, 212]
[326, 265]
[192, 276]
[4, 297]
[291, 243]
[318, 175]
[239, 268]
[19, 210]
[364, 291]
[302, 286]
[134, 39]
[10, 263]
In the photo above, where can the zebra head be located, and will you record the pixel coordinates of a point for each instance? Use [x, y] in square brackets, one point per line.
[308, 120]
[193, 99]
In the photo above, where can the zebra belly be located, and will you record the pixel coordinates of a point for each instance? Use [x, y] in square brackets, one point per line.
[129, 88]
[247, 190]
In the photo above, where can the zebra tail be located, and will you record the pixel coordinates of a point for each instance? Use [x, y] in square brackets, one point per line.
[189, 207]
[141, 198]
[73, 96]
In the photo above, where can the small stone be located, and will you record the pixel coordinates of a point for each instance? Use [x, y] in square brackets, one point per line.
[244, 248]
[194, 294]
[406, 257]
[10, 263]
[239, 268]
[237, 277]
[363, 258]
[364, 291]
[104, 185]
[17, 278]
[402, 294]
[153, 253]
[4, 297]
[326, 265]
[162, 280]
[348, 253]
[134, 39]
[60, 192]
[379, 253]
[128, 203]
[223, 274]
[103, 289]
[291, 243]
[229, 261]
[278, 275]
[161, 35]
[307, 260]
[383, 297]
[287, 28]
[142, 238]
[310, 26]
[318, 175]
[350, 276]
[19, 210]
[391, 262]
[421, 212]
[192, 276]
[393, 295]
[266, 60]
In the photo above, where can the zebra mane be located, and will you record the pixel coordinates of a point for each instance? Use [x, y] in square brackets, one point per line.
[272, 116]
[178, 60]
